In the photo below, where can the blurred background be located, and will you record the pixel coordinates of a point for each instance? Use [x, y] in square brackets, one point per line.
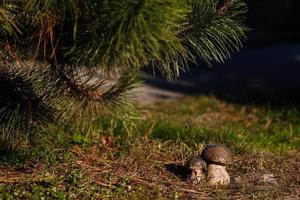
[265, 71]
[273, 20]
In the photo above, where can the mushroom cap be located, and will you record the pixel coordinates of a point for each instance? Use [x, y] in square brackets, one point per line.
[217, 154]
[196, 162]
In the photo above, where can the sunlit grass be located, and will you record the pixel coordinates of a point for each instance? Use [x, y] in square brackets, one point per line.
[243, 127]
[128, 160]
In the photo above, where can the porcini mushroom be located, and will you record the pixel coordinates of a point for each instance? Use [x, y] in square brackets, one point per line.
[217, 157]
[197, 166]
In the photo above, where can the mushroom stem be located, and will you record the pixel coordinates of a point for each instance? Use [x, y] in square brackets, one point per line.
[217, 175]
[197, 176]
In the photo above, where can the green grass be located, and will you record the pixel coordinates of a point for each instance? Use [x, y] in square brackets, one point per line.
[128, 161]
[194, 120]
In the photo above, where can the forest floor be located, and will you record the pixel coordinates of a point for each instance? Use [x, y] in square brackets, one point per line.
[240, 104]
[148, 161]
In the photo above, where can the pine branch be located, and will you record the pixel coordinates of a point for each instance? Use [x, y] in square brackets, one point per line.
[8, 24]
[56, 56]
[131, 34]
[215, 32]
[23, 103]
[84, 94]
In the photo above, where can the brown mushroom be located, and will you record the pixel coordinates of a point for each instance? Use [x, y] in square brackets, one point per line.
[197, 166]
[217, 157]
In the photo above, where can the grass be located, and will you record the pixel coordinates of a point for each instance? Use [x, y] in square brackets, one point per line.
[245, 128]
[146, 161]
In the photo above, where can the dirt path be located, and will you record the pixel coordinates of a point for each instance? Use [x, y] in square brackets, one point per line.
[257, 74]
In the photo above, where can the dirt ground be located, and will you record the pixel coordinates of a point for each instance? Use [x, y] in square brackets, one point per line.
[146, 172]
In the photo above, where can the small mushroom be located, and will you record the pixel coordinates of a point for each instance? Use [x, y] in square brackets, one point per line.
[197, 166]
[217, 157]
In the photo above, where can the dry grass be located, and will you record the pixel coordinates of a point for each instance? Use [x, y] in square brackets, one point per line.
[150, 164]
[156, 170]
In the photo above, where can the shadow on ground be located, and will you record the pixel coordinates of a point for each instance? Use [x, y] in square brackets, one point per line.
[179, 170]
[257, 75]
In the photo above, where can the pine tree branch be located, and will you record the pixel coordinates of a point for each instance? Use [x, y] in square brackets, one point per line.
[214, 32]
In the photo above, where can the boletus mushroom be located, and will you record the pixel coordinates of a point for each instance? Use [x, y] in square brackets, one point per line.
[197, 166]
[217, 157]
